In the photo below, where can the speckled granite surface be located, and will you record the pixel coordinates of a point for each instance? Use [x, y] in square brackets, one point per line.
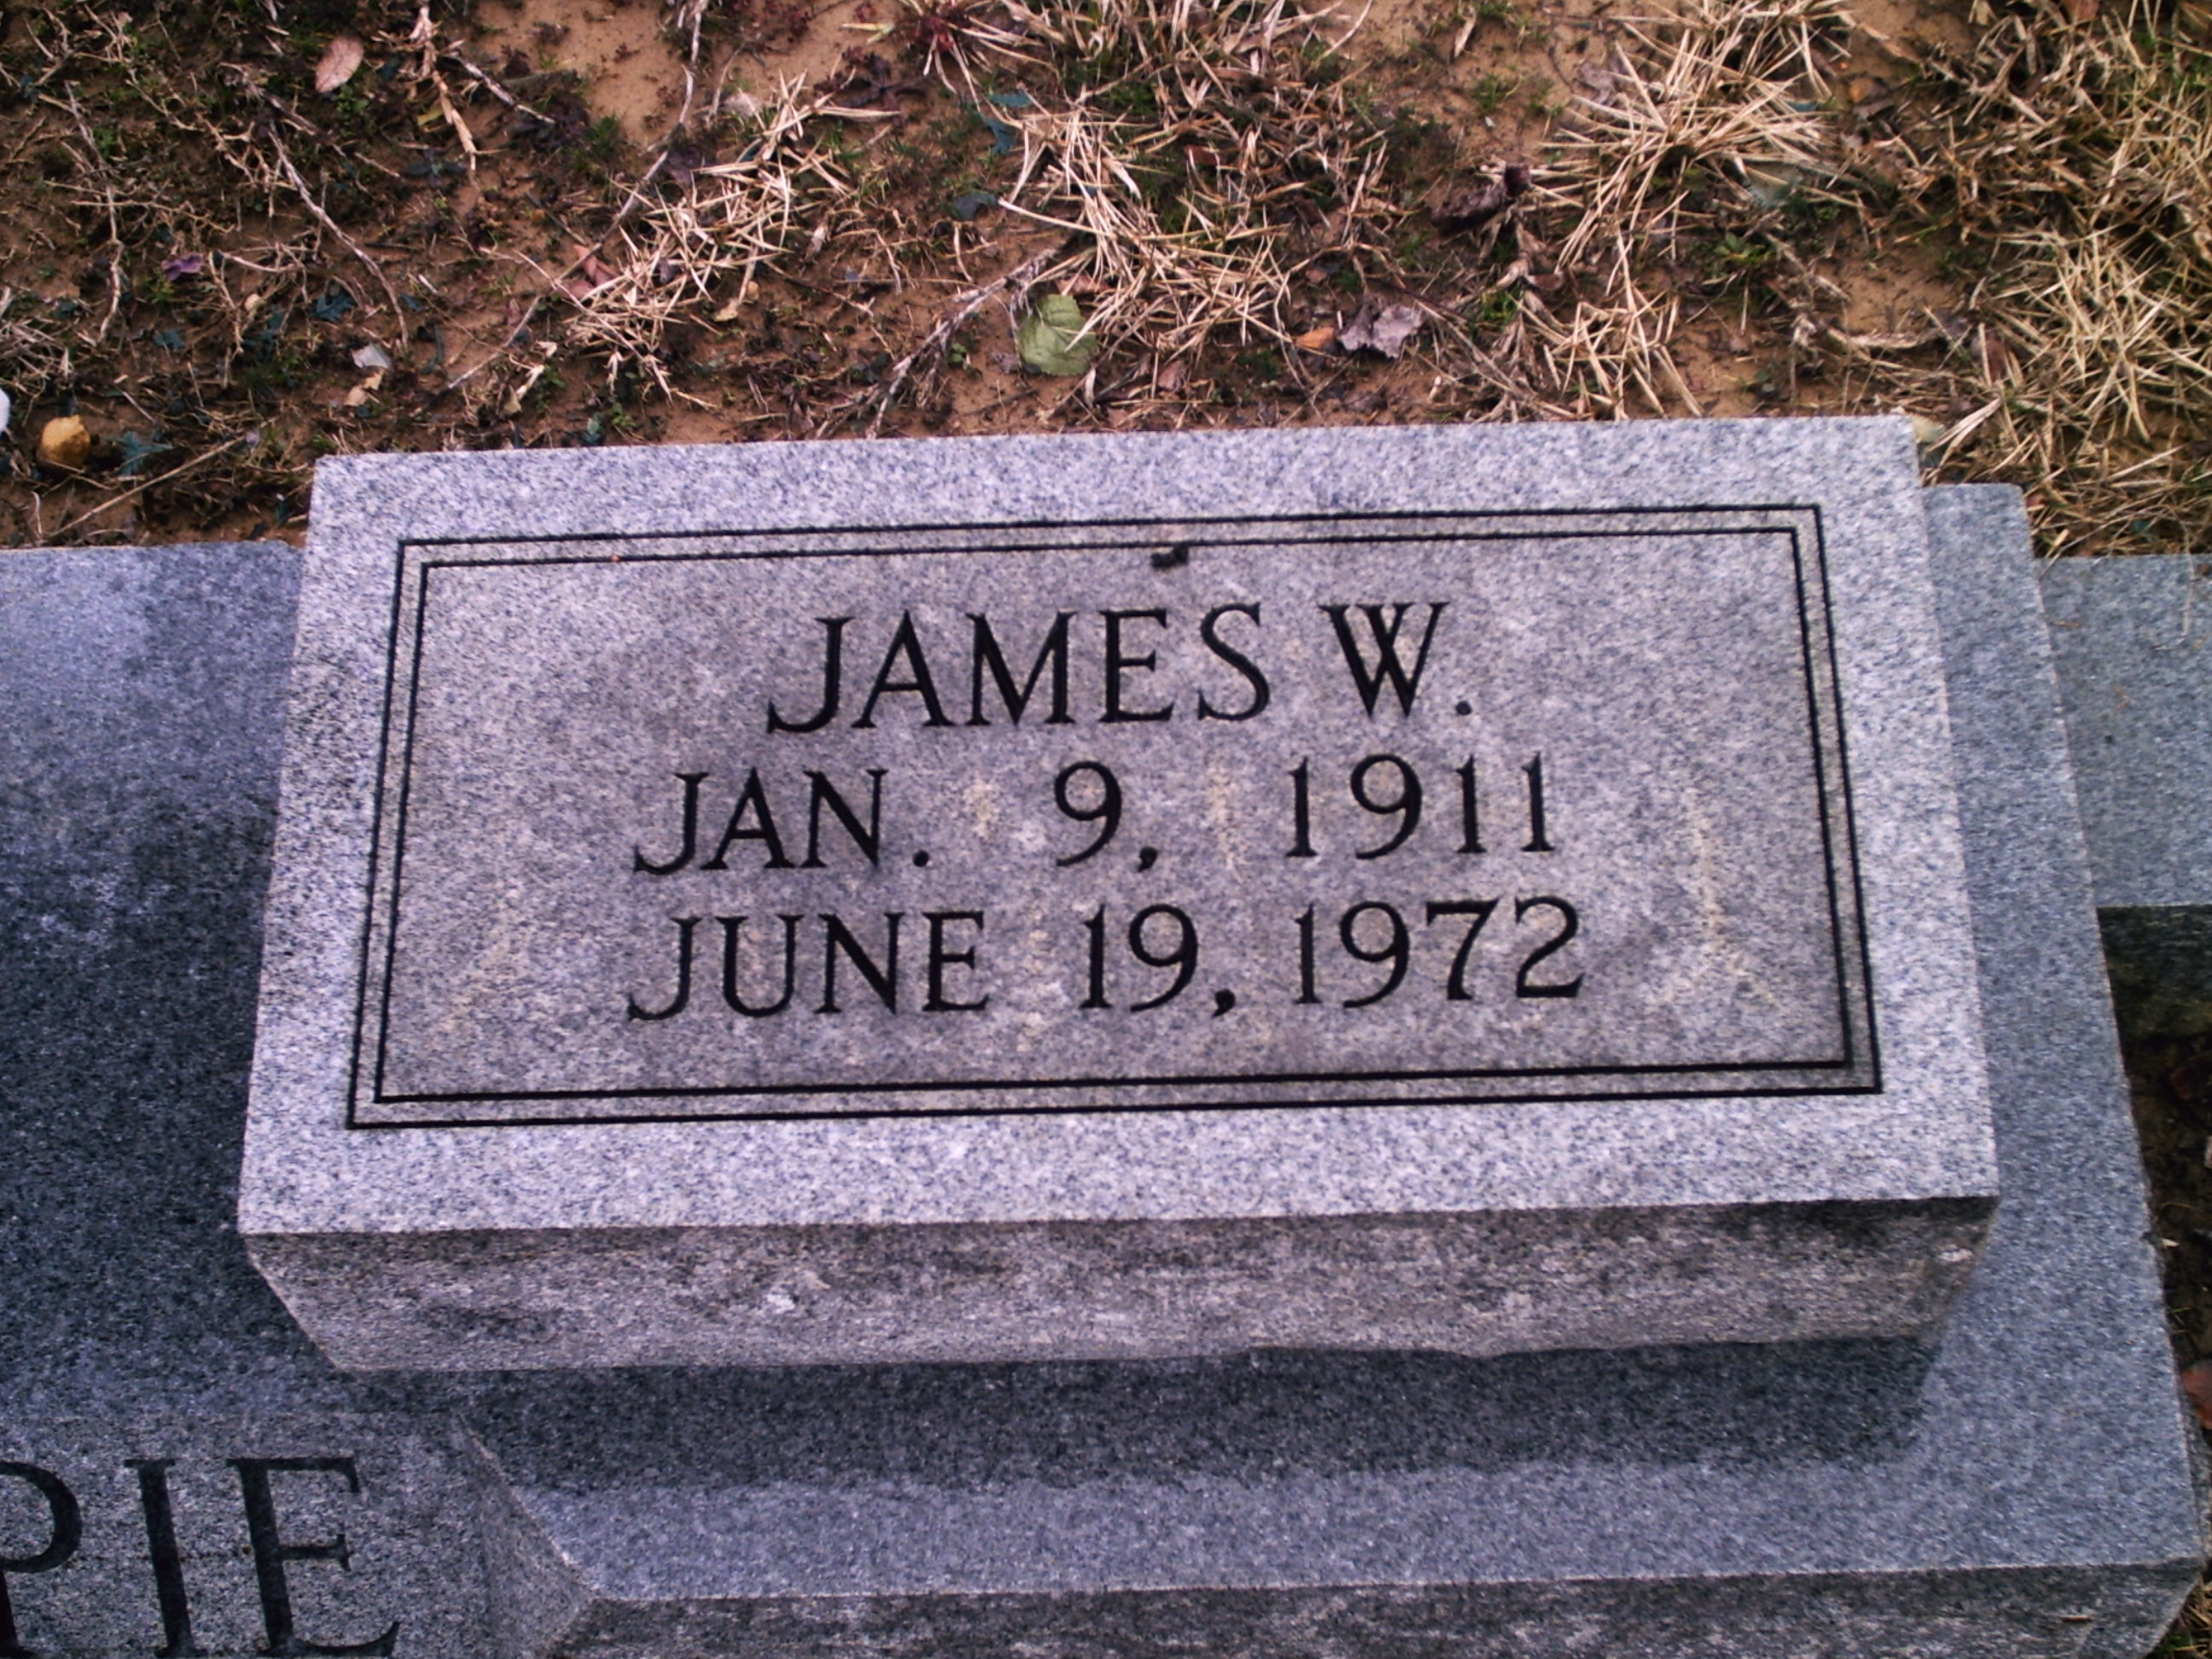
[525, 1095]
[2133, 640]
[2019, 1483]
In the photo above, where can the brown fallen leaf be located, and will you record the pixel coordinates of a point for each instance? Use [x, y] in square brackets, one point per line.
[339, 61]
[1952, 327]
[1378, 327]
[369, 388]
[1597, 81]
[1467, 210]
[1316, 339]
[2196, 1387]
[2081, 11]
[597, 273]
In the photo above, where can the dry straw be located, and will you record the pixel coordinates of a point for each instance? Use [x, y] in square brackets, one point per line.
[1215, 182]
[2075, 158]
[1700, 126]
[1188, 161]
[2063, 166]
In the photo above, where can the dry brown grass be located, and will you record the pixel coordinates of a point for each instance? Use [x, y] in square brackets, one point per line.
[1216, 156]
[705, 247]
[2074, 163]
[1702, 127]
[1188, 162]
[1221, 186]
[2062, 168]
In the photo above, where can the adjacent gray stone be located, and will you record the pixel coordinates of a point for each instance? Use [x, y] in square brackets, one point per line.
[2130, 635]
[566, 1060]
[2132, 638]
[139, 708]
[247, 1535]
[2017, 1483]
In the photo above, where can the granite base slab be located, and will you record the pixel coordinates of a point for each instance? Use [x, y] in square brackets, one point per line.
[1657, 1022]
[2022, 1483]
[1578, 1279]
[2018, 1485]
[1942, 1496]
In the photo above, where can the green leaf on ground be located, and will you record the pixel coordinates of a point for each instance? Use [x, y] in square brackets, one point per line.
[1047, 338]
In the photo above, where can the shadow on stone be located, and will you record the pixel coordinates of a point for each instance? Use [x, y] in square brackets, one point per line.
[969, 1426]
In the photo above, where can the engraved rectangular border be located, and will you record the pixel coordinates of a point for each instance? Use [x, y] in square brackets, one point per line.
[1857, 1070]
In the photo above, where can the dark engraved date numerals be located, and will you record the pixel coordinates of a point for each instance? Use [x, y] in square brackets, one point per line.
[1377, 934]
[1387, 786]
[1106, 811]
[1150, 945]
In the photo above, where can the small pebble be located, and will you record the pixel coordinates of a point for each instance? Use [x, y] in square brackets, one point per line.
[65, 442]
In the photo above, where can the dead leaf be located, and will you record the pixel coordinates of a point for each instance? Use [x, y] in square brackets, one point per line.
[340, 59]
[2192, 1080]
[1051, 340]
[2197, 1386]
[1597, 81]
[1316, 339]
[597, 274]
[1952, 327]
[2081, 11]
[1996, 359]
[1378, 327]
[1169, 379]
[1466, 210]
[360, 394]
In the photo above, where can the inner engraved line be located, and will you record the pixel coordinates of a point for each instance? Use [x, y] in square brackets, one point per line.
[420, 569]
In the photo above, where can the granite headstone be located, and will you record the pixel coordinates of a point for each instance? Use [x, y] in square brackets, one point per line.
[1473, 889]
